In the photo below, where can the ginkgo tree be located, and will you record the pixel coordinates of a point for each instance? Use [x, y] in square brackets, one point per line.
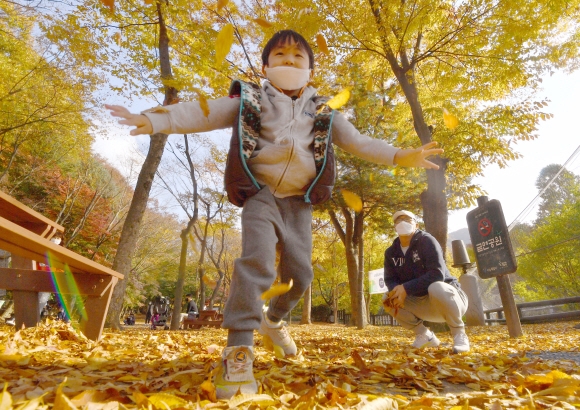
[465, 74]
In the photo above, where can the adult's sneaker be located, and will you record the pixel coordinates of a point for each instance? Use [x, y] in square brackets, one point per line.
[460, 341]
[427, 339]
[276, 335]
[236, 372]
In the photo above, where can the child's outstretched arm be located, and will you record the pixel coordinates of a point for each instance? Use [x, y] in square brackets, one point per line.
[134, 120]
[417, 157]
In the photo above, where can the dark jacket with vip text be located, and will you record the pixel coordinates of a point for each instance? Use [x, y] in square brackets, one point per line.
[419, 267]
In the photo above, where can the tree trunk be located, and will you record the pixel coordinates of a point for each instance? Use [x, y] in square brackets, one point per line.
[176, 316]
[307, 307]
[433, 200]
[128, 240]
[349, 238]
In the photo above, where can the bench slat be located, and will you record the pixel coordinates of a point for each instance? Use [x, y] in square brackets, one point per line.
[27, 218]
[18, 240]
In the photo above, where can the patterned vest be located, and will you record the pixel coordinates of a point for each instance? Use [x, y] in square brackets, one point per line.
[239, 181]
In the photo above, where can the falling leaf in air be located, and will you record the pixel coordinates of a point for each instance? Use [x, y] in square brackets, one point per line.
[321, 42]
[263, 22]
[148, 1]
[277, 290]
[352, 200]
[209, 281]
[370, 85]
[224, 42]
[450, 119]
[203, 103]
[117, 37]
[221, 4]
[157, 110]
[110, 4]
[339, 99]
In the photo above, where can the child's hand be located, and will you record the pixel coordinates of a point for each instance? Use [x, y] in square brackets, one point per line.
[135, 120]
[416, 157]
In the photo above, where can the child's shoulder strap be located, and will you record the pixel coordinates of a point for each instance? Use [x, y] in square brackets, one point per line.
[249, 124]
[322, 124]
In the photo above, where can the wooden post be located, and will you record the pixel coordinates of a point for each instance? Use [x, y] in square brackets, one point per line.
[26, 310]
[509, 306]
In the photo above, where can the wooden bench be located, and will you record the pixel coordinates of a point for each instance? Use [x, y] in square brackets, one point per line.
[527, 307]
[206, 318]
[26, 235]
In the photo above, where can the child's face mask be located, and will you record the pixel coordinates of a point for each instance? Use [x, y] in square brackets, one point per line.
[287, 77]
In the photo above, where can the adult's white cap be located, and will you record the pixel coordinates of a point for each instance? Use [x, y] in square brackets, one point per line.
[407, 213]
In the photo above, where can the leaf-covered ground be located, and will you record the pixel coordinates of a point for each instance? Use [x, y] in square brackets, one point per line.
[52, 366]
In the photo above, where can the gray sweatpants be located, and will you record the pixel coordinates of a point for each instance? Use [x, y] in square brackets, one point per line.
[444, 303]
[268, 224]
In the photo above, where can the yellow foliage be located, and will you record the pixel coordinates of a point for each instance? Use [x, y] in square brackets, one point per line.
[224, 42]
[203, 103]
[110, 4]
[221, 4]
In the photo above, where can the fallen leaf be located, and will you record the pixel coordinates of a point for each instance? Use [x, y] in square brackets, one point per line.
[5, 399]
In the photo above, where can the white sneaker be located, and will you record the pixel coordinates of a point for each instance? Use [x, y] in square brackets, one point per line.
[276, 335]
[426, 340]
[460, 342]
[236, 372]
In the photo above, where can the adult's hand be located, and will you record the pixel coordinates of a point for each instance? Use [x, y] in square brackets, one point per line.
[141, 122]
[398, 296]
[417, 157]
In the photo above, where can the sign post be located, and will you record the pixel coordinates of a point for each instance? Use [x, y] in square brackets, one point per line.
[494, 254]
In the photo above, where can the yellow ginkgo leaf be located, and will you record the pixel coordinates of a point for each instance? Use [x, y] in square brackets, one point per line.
[263, 22]
[221, 4]
[203, 104]
[370, 84]
[224, 42]
[148, 1]
[321, 42]
[209, 281]
[62, 402]
[339, 99]
[157, 110]
[166, 401]
[450, 119]
[372, 177]
[209, 389]
[110, 4]
[277, 290]
[5, 399]
[117, 37]
[352, 200]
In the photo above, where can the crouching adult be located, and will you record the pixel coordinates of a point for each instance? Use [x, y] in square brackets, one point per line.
[421, 287]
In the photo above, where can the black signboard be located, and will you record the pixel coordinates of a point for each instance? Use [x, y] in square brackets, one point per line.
[490, 239]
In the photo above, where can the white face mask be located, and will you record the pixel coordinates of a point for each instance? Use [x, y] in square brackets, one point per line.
[405, 228]
[288, 78]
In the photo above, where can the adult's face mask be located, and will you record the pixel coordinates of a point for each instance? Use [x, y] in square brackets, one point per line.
[288, 78]
[405, 228]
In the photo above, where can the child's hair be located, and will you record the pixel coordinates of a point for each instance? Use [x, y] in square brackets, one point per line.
[281, 38]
